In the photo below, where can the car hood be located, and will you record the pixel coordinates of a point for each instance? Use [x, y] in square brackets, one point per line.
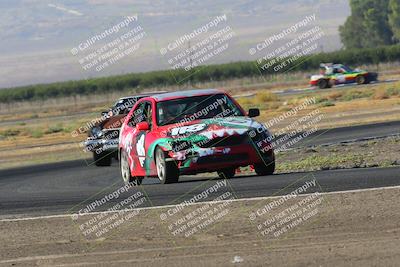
[113, 122]
[316, 77]
[211, 128]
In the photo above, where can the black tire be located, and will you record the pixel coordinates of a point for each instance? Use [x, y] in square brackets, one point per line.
[227, 173]
[265, 168]
[167, 171]
[102, 159]
[361, 80]
[126, 172]
[323, 83]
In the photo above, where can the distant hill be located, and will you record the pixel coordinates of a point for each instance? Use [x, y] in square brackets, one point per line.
[37, 36]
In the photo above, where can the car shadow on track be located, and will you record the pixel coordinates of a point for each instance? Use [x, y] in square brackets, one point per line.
[191, 179]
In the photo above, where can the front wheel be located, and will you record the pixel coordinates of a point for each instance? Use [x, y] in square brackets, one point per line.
[167, 171]
[324, 83]
[126, 171]
[360, 80]
[265, 168]
[227, 173]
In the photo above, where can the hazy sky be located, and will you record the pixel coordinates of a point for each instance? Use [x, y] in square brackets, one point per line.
[37, 36]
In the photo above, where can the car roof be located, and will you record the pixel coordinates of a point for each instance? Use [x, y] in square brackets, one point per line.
[186, 93]
[144, 94]
[332, 65]
[133, 96]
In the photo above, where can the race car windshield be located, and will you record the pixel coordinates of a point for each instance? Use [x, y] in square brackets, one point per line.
[347, 69]
[126, 102]
[195, 108]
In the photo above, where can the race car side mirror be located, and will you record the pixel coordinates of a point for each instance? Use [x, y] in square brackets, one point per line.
[254, 112]
[143, 126]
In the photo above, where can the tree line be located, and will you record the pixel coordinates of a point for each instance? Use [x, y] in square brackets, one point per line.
[371, 23]
[136, 82]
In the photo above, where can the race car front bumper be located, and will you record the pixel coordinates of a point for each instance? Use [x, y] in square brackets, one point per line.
[101, 145]
[219, 158]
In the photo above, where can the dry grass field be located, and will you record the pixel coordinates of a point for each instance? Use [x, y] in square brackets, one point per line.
[41, 131]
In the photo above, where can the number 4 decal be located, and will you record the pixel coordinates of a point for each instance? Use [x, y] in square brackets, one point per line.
[141, 150]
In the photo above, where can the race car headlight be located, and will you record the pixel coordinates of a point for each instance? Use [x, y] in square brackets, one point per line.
[96, 132]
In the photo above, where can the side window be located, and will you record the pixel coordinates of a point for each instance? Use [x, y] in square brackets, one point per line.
[147, 113]
[137, 115]
[140, 114]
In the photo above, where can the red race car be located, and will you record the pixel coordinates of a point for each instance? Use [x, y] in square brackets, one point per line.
[191, 132]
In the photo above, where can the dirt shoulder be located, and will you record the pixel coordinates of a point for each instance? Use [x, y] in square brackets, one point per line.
[379, 152]
[357, 228]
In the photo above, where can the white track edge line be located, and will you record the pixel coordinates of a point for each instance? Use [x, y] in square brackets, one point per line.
[197, 203]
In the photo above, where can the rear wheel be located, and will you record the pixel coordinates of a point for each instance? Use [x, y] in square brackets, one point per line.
[323, 83]
[360, 79]
[167, 171]
[126, 171]
[265, 168]
[102, 159]
[227, 173]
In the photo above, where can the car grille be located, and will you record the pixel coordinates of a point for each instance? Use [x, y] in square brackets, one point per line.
[232, 140]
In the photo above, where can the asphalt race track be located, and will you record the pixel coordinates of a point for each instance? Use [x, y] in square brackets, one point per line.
[50, 193]
[351, 133]
[311, 90]
[69, 186]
